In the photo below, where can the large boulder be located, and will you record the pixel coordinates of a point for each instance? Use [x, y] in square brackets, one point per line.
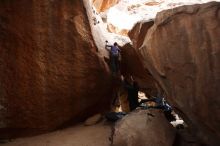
[182, 52]
[144, 128]
[50, 72]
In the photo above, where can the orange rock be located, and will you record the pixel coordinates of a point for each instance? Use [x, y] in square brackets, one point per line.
[102, 5]
[114, 29]
[152, 3]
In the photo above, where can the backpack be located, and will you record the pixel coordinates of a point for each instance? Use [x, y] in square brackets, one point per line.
[114, 116]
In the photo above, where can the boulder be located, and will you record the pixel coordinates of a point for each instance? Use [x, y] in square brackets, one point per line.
[182, 51]
[144, 128]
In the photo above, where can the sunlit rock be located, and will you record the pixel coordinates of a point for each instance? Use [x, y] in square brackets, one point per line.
[102, 5]
[113, 29]
[124, 14]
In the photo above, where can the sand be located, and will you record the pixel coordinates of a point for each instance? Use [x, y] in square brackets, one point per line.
[80, 135]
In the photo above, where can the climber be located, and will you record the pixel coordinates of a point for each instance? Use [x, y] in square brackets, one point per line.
[132, 88]
[114, 56]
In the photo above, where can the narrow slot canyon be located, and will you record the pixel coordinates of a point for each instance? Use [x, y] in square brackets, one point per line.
[62, 85]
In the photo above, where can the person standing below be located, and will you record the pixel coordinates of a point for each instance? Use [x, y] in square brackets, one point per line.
[114, 56]
[132, 88]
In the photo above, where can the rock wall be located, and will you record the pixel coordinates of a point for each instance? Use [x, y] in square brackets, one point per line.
[182, 52]
[50, 72]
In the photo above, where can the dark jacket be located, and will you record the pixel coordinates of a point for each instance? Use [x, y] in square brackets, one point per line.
[132, 94]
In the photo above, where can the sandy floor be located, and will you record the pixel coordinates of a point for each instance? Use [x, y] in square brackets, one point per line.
[96, 135]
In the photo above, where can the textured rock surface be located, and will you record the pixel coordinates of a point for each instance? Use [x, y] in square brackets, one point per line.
[144, 128]
[49, 70]
[182, 51]
[102, 5]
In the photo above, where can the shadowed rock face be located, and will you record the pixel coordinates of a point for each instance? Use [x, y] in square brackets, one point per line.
[49, 70]
[131, 64]
[182, 52]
